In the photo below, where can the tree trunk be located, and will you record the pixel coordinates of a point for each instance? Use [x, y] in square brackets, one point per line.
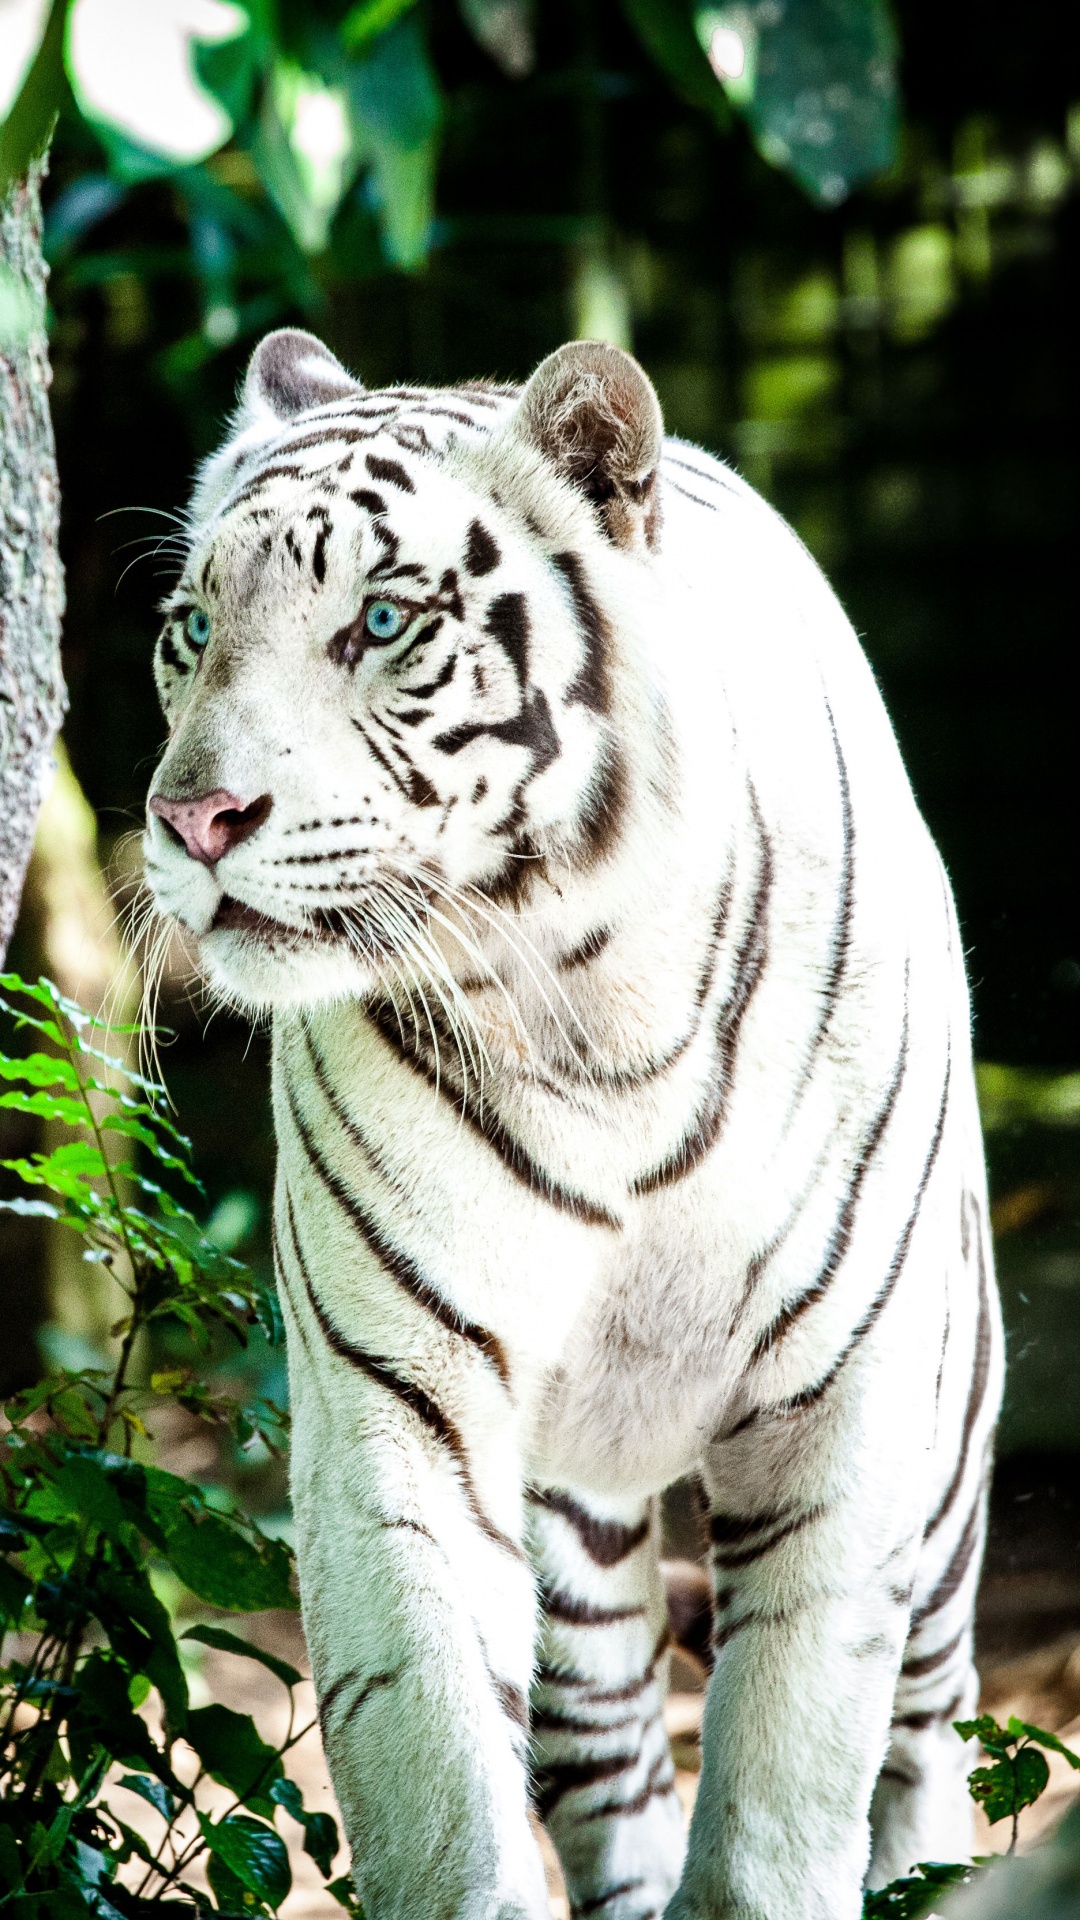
[33, 700]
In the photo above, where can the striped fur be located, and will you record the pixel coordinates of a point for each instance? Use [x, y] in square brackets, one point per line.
[626, 1130]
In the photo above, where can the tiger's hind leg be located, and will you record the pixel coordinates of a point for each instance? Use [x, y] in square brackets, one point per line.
[604, 1782]
[921, 1808]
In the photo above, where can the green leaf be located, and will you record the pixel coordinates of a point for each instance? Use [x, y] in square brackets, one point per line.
[254, 1853]
[343, 1891]
[47, 1106]
[234, 1753]
[15, 1594]
[230, 1893]
[154, 1792]
[321, 1840]
[818, 85]
[140, 1630]
[26, 133]
[1011, 1783]
[395, 101]
[227, 1642]
[986, 1731]
[915, 1895]
[1021, 1729]
[226, 1569]
[83, 1487]
[666, 31]
[1030, 1774]
[364, 23]
[40, 1070]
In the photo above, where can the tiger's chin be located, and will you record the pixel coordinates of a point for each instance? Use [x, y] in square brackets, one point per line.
[257, 963]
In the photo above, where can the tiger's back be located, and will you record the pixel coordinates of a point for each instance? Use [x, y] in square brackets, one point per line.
[626, 1126]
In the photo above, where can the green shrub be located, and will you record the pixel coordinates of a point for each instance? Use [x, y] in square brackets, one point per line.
[89, 1525]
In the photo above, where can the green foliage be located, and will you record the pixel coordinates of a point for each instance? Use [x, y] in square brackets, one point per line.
[1018, 1772]
[1016, 1776]
[916, 1894]
[92, 1531]
[327, 99]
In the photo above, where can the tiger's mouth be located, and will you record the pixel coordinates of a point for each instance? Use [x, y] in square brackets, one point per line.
[342, 927]
[233, 916]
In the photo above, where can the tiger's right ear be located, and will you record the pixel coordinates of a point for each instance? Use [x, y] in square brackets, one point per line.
[289, 372]
[593, 412]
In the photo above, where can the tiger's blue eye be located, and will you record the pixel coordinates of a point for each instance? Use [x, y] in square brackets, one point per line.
[384, 619]
[197, 627]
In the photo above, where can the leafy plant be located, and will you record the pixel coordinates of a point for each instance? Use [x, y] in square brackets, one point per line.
[1018, 1772]
[1016, 1776]
[916, 1894]
[91, 1531]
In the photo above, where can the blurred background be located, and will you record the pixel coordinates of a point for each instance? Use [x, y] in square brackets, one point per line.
[844, 243]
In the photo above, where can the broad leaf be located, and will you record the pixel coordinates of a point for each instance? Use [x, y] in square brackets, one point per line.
[254, 1853]
[227, 1642]
[234, 1753]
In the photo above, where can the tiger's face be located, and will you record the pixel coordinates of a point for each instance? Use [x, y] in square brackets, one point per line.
[384, 669]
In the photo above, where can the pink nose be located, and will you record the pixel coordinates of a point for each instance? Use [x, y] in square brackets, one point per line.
[215, 823]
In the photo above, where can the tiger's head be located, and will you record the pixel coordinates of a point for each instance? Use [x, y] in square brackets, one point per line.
[387, 667]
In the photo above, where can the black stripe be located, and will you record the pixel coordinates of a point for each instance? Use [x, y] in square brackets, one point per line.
[699, 473]
[548, 1720]
[511, 1700]
[373, 1685]
[571, 1611]
[554, 1782]
[397, 1263]
[389, 1256]
[170, 656]
[840, 1238]
[589, 687]
[493, 1132]
[700, 1139]
[507, 621]
[586, 950]
[606, 1542]
[734, 1555]
[601, 1900]
[390, 471]
[841, 938]
[584, 1685]
[409, 781]
[659, 1781]
[918, 1721]
[927, 1663]
[419, 1402]
[442, 678]
[980, 1375]
[686, 494]
[953, 1576]
[481, 553]
[810, 1395]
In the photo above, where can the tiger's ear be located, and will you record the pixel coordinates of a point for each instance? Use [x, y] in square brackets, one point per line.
[291, 371]
[593, 412]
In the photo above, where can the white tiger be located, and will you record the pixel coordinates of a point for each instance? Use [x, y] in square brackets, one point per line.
[524, 766]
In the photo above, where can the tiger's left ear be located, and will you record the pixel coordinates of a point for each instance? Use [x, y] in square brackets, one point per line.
[593, 412]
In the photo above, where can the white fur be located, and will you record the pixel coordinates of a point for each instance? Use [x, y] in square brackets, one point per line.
[632, 1338]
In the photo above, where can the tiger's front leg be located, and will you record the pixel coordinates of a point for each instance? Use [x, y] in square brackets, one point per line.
[419, 1611]
[604, 1779]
